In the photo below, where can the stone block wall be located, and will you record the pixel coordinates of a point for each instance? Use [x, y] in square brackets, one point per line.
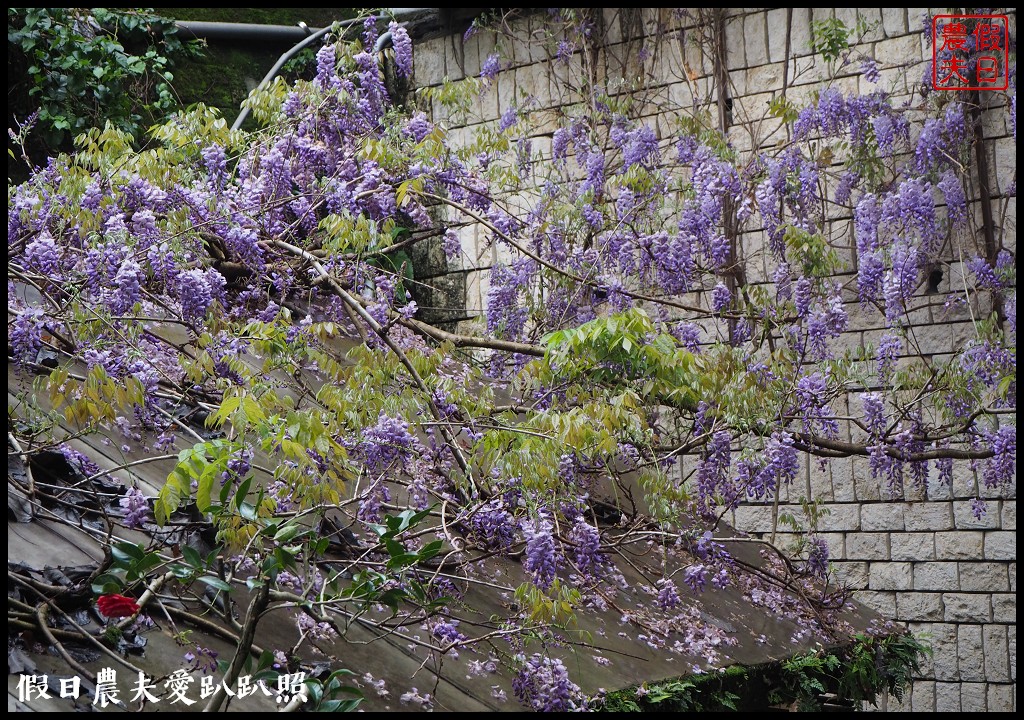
[923, 558]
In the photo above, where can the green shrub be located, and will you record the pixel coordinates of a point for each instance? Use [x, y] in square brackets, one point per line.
[86, 66]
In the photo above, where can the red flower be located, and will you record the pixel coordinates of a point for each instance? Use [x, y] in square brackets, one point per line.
[117, 606]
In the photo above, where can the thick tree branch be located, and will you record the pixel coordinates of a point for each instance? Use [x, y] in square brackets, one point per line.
[838, 448]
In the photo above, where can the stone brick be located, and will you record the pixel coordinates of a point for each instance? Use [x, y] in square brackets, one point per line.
[755, 37]
[757, 519]
[913, 492]
[520, 42]
[912, 546]
[821, 486]
[883, 603]
[965, 519]
[966, 607]
[889, 702]
[891, 576]
[928, 516]
[894, 21]
[867, 546]
[487, 105]
[970, 652]
[945, 662]
[935, 576]
[973, 697]
[997, 658]
[934, 338]
[1001, 545]
[898, 50]
[821, 14]
[843, 487]
[866, 487]
[994, 493]
[983, 577]
[1011, 644]
[1000, 698]
[800, 40]
[776, 34]
[738, 88]
[1004, 608]
[853, 575]
[532, 80]
[881, 516]
[947, 695]
[918, 606]
[429, 66]
[1009, 515]
[1011, 572]
[964, 545]
[965, 481]
[612, 27]
[836, 543]
[871, 18]
[841, 517]
[789, 543]
[734, 55]
[938, 490]
[922, 696]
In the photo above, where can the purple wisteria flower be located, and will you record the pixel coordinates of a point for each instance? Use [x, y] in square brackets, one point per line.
[812, 393]
[713, 486]
[978, 508]
[587, 555]
[899, 283]
[889, 349]
[817, 556]
[490, 67]
[402, 44]
[778, 466]
[42, 255]
[869, 68]
[543, 684]
[135, 506]
[720, 297]
[541, 559]
[1000, 469]
[668, 594]
[386, 442]
[874, 414]
[494, 526]
[953, 193]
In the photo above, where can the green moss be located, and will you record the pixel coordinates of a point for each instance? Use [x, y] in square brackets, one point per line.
[228, 70]
[314, 17]
[222, 78]
[858, 672]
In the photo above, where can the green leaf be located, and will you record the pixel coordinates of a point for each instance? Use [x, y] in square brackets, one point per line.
[404, 560]
[191, 556]
[107, 583]
[216, 582]
[430, 550]
[205, 487]
[128, 551]
[289, 532]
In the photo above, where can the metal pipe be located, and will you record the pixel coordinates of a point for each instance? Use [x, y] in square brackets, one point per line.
[244, 113]
[243, 31]
[305, 42]
[382, 42]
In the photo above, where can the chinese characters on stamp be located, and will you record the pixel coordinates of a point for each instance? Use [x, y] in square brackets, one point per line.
[177, 688]
[970, 52]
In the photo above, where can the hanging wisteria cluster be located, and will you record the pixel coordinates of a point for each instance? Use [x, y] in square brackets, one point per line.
[628, 386]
